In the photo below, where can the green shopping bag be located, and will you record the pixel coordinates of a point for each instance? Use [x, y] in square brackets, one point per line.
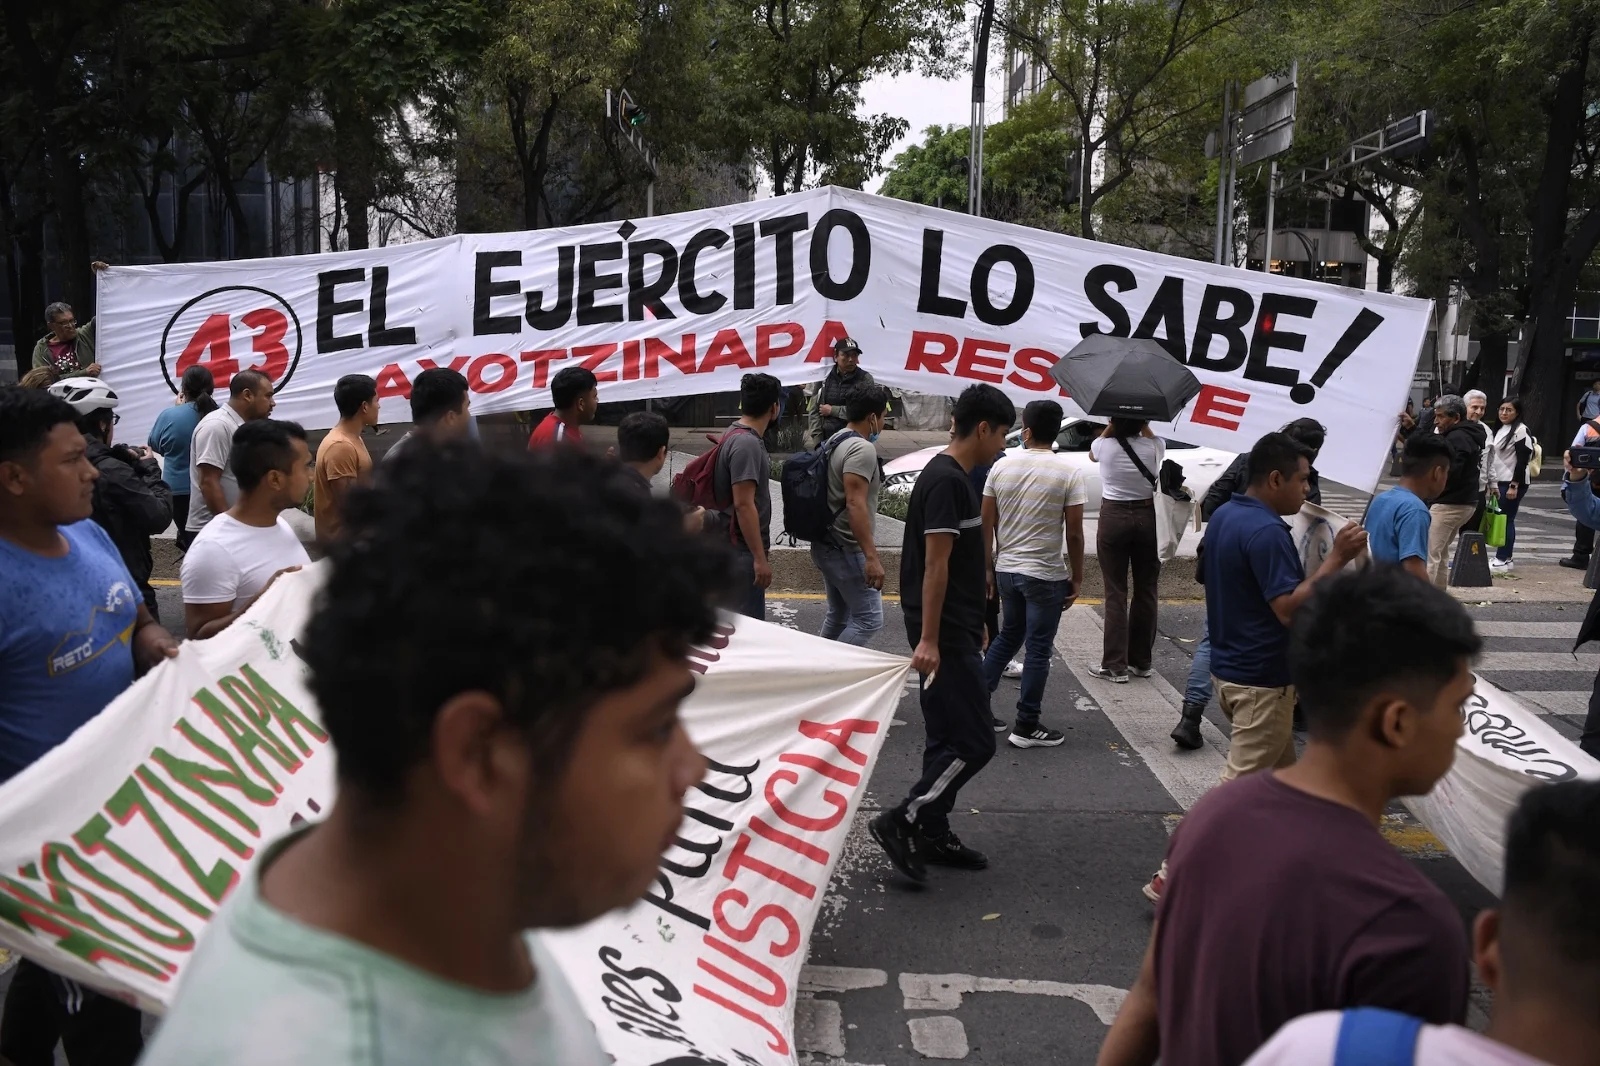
[1493, 526]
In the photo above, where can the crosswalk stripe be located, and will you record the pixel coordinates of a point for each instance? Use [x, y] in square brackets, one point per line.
[1523, 662]
[1575, 701]
[1564, 630]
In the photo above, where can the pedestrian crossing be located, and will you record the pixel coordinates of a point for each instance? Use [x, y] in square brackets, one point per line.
[1535, 662]
[1544, 531]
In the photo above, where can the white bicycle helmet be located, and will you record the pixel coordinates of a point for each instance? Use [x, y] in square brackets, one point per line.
[86, 395]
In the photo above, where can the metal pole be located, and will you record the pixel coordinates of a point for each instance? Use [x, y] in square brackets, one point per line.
[1222, 167]
[1272, 193]
[650, 198]
[980, 61]
[1233, 171]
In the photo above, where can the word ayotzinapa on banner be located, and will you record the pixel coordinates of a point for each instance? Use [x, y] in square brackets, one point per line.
[688, 303]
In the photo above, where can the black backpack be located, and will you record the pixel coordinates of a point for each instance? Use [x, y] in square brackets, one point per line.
[806, 514]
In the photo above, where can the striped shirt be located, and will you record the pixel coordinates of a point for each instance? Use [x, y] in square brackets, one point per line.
[1032, 488]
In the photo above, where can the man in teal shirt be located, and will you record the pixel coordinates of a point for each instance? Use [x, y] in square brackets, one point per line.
[509, 759]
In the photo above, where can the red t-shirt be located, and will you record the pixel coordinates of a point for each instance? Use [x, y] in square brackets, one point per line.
[552, 430]
[1279, 903]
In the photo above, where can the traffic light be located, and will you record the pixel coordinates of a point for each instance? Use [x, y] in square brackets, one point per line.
[634, 115]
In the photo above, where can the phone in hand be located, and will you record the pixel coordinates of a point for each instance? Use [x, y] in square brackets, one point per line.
[1586, 457]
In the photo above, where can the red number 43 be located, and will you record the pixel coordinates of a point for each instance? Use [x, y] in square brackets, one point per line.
[211, 345]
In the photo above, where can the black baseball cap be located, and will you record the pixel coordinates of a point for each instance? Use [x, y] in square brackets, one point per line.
[845, 344]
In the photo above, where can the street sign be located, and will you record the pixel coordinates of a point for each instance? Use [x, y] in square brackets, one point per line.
[1266, 123]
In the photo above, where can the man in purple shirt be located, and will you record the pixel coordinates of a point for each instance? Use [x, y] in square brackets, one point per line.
[1282, 897]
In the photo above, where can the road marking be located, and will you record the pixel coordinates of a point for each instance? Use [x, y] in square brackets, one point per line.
[165, 583]
[1575, 701]
[1526, 662]
[840, 978]
[819, 1026]
[941, 1037]
[1144, 712]
[943, 991]
[1542, 630]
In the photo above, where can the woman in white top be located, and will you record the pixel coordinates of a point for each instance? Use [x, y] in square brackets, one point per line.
[1130, 463]
[1506, 467]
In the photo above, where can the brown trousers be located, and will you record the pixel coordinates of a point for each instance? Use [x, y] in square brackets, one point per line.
[1126, 539]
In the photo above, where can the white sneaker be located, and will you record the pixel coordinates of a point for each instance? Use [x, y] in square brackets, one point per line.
[1014, 668]
[1500, 566]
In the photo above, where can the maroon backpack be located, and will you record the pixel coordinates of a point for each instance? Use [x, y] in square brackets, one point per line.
[696, 484]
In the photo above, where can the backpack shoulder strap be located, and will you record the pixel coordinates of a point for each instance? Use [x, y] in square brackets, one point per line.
[1372, 1036]
[1145, 470]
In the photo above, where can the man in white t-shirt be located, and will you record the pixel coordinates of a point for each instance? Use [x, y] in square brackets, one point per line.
[241, 551]
[1539, 953]
[1033, 507]
[212, 486]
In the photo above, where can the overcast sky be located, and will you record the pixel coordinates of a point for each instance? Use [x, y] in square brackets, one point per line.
[924, 102]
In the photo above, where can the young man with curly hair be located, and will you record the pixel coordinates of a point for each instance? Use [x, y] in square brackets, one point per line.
[509, 759]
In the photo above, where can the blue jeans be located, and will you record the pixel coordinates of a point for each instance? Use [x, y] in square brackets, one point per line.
[1031, 613]
[746, 597]
[855, 611]
[1198, 690]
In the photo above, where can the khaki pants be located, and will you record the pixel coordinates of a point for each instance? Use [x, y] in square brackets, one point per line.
[1444, 529]
[1263, 727]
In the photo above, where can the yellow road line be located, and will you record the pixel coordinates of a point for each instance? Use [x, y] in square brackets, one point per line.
[165, 583]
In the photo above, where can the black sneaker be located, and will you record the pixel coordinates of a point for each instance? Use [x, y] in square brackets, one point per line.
[1576, 562]
[949, 851]
[901, 841]
[1036, 737]
[999, 726]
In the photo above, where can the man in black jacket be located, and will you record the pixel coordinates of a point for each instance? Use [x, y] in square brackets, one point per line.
[131, 502]
[827, 414]
[1455, 506]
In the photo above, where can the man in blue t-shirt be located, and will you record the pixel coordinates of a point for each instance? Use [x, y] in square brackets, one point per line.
[1254, 583]
[73, 634]
[1397, 521]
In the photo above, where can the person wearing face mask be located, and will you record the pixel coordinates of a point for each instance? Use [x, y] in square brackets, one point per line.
[848, 559]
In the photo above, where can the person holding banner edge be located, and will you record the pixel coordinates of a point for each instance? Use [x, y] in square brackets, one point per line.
[944, 569]
[509, 759]
[62, 585]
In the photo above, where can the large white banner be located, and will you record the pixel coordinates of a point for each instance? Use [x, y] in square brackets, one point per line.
[119, 845]
[687, 303]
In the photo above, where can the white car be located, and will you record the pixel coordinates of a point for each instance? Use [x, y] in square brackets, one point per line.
[1201, 466]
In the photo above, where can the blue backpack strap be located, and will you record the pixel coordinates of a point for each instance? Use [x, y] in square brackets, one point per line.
[1372, 1036]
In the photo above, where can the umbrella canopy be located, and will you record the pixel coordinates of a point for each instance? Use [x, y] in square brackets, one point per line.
[1126, 377]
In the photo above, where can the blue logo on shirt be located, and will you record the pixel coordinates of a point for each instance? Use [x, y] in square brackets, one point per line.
[108, 626]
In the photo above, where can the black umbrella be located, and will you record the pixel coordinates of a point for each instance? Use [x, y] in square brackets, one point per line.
[1125, 377]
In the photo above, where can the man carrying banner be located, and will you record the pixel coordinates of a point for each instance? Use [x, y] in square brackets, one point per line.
[509, 758]
[943, 587]
[73, 634]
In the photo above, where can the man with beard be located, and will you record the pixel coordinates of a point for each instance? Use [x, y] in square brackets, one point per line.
[510, 759]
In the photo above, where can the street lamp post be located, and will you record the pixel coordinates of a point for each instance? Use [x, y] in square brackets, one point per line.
[980, 62]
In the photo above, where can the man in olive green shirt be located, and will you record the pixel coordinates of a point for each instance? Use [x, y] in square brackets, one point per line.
[509, 759]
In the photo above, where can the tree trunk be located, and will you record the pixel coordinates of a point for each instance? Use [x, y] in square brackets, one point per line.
[1542, 370]
[1488, 371]
[1386, 273]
